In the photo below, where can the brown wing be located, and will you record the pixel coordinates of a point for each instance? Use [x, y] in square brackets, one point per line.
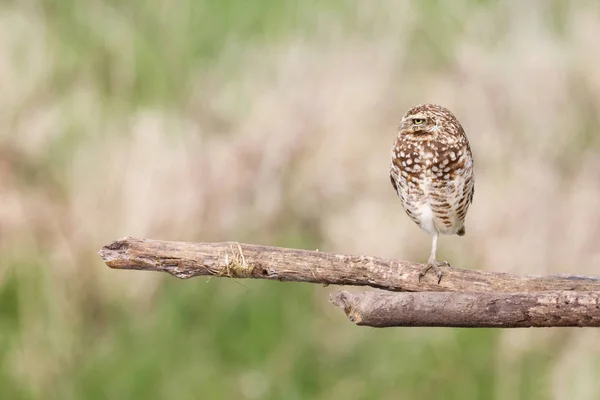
[465, 171]
[470, 187]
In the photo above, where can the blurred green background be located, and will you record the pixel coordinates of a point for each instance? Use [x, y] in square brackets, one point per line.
[271, 122]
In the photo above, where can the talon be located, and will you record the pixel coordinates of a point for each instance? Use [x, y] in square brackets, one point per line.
[435, 265]
[424, 271]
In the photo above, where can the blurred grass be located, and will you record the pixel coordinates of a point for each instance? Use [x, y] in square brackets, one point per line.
[267, 345]
[148, 52]
[129, 118]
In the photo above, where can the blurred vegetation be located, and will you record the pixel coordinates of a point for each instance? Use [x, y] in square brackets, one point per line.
[260, 121]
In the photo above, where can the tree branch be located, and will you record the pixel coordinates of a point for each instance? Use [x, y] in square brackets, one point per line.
[464, 298]
[233, 260]
[471, 310]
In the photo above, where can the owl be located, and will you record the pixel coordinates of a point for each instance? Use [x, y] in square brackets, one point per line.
[431, 170]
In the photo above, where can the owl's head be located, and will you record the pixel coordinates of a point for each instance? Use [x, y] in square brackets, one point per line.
[429, 121]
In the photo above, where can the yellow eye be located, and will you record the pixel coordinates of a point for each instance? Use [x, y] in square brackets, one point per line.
[418, 121]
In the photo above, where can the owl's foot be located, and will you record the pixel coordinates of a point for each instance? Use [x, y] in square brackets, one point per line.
[435, 265]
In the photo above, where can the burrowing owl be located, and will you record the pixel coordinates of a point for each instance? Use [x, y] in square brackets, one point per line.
[432, 172]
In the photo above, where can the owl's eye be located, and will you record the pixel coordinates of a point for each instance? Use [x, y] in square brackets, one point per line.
[418, 121]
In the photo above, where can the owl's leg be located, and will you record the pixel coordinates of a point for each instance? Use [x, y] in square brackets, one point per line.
[432, 263]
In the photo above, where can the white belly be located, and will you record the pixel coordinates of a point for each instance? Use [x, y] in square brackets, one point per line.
[426, 218]
[418, 199]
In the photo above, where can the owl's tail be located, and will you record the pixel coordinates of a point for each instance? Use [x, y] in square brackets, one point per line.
[461, 231]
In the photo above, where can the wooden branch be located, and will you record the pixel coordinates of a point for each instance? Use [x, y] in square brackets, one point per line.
[233, 260]
[472, 310]
[464, 298]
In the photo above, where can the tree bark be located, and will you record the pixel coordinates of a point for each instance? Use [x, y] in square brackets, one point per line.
[471, 310]
[464, 298]
[230, 259]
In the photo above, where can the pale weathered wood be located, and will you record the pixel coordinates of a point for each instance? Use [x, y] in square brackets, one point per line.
[233, 260]
[471, 310]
